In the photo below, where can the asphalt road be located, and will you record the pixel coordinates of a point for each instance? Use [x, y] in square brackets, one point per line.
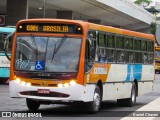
[109, 110]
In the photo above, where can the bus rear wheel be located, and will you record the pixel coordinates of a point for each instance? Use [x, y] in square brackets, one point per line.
[94, 106]
[129, 102]
[32, 104]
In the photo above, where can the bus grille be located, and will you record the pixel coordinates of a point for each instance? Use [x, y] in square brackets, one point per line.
[52, 94]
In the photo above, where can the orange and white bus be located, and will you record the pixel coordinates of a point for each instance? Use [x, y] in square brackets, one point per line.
[67, 61]
[157, 59]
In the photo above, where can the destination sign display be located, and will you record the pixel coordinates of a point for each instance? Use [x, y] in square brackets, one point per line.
[50, 28]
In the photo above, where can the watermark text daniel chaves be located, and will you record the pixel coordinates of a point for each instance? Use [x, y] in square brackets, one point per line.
[145, 114]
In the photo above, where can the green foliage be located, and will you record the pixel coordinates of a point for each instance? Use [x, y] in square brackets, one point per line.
[153, 28]
[157, 18]
[145, 3]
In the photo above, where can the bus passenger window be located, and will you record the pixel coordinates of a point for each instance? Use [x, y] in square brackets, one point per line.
[119, 42]
[110, 55]
[120, 56]
[144, 45]
[110, 41]
[150, 46]
[129, 43]
[138, 57]
[145, 58]
[101, 40]
[102, 55]
[129, 57]
[151, 58]
[137, 45]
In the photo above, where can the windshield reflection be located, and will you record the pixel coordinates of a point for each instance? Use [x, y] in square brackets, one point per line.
[35, 53]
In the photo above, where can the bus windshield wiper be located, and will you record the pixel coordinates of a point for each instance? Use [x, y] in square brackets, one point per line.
[56, 49]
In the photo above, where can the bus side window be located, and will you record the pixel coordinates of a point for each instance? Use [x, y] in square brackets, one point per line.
[110, 51]
[8, 45]
[2, 38]
[102, 55]
[101, 47]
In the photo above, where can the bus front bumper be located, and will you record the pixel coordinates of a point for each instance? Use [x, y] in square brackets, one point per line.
[71, 93]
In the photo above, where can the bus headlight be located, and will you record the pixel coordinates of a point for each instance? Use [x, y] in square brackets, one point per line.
[18, 80]
[28, 84]
[66, 84]
[23, 83]
[72, 82]
[60, 85]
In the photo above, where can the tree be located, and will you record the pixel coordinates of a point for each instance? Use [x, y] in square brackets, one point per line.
[144, 3]
[153, 28]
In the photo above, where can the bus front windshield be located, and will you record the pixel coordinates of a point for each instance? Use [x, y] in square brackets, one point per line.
[48, 54]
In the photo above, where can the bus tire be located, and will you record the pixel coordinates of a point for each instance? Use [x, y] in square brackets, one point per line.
[94, 106]
[32, 104]
[129, 102]
[132, 100]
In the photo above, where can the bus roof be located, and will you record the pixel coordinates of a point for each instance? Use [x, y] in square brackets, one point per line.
[7, 29]
[120, 31]
[93, 26]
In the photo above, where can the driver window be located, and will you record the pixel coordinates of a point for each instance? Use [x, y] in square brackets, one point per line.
[90, 51]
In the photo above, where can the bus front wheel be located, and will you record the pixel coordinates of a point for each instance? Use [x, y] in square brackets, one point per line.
[94, 106]
[32, 104]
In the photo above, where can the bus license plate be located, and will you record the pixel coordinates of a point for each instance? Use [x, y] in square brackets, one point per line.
[43, 91]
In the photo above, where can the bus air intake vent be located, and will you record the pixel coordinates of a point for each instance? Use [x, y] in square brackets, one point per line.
[51, 94]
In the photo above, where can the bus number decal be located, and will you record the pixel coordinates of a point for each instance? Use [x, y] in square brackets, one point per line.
[100, 70]
[32, 27]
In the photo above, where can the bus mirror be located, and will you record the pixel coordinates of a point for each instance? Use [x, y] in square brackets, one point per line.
[7, 41]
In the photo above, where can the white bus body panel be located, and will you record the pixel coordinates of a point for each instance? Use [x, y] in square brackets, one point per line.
[120, 77]
[76, 92]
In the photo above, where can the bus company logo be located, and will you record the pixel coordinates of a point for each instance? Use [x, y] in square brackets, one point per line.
[6, 114]
[43, 83]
